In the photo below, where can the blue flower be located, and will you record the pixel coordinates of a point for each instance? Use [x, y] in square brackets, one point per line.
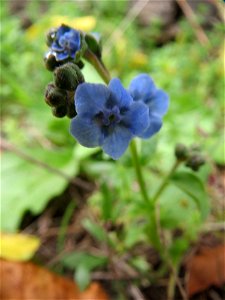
[108, 117]
[66, 43]
[143, 90]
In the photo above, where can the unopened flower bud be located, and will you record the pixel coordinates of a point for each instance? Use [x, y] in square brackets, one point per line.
[71, 112]
[68, 76]
[93, 42]
[181, 152]
[50, 61]
[55, 96]
[195, 161]
[59, 111]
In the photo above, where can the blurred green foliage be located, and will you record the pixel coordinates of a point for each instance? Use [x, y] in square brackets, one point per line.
[191, 74]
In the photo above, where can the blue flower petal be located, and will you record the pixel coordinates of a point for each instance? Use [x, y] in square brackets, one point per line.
[153, 128]
[142, 87]
[137, 117]
[120, 96]
[61, 55]
[87, 133]
[159, 103]
[116, 143]
[56, 47]
[74, 45]
[76, 39]
[62, 30]
[90, 99]
[67, 41]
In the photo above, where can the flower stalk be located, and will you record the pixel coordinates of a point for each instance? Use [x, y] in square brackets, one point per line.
[165, 182]
[98, 65]
[139, 174]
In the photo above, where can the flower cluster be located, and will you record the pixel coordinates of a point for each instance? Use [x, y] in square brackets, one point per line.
[103, 116]
[111, 116]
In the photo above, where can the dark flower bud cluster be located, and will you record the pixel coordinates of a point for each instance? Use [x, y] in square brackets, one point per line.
[192, 156]
[66, 48]
[60, 94]
[195, 161]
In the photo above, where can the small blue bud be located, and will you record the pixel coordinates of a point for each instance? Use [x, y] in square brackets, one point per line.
[66, 43]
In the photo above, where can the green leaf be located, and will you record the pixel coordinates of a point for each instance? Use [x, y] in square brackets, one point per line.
[134, 234]
[74, 259]
[193, 186]
[177, 249]
[175, 207]
[94, 229]
[140, 264]
[84, 263]
[107, 202]
[28, 187]
[82, 277]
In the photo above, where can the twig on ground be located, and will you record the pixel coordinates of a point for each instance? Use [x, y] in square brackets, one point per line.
[220, 8]
[135, 292]
[214, 227]
[110, 276]
[125, 23]
[214, 295]
[191, 17]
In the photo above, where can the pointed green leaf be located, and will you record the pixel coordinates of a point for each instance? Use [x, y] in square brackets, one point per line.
[193, 186]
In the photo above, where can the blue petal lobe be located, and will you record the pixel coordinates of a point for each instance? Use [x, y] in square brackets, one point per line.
[142, 87]
[62, 30]
[116, 143]
[90, 99]
[153, 128]
[120, 96]
[86, 132]
[76, 39]
[137, 117]
[159, 103]
[56, 47]
[61, 55]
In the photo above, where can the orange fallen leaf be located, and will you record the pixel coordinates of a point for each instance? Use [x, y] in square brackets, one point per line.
[205, 269]
[26, 281]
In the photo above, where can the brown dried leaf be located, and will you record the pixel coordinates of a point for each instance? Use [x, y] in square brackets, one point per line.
[205, 269]
[26, 281]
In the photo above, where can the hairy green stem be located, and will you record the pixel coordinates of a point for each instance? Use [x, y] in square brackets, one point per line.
[159, 236]
[138, 170]
[165, 182]
[172, 284]
[98, 65]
